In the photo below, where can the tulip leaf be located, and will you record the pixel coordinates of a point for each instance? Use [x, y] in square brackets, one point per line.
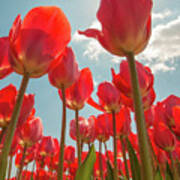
[158, 175]
[135, 166]
[168, 174]
[110, 175]
[84, 172]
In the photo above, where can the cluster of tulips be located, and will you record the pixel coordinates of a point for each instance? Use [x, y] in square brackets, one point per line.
[37, 46]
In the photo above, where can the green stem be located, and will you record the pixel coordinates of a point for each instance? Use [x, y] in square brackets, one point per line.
[2, 133]
[154, 159]
[12, 127]
[147, 170]
[115, 146]
[124, 158]
[89, 146]
[63, 131]
[107, 154]
[78, 140]
[10, 167]
[22, 163]
[174, 168]
[33, 168]
[100, 160]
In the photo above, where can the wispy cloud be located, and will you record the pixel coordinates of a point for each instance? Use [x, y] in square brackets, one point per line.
[164, 46]
[161, 15]
[92, 47]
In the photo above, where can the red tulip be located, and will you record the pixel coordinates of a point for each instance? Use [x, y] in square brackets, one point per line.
[26, 109]
[64, 70]
[7, 101]
[164, 111]
[29, 155]
[48, 146]
[168, 104]
[69, 154]
[176, 117]
[86, 129]
[31, 131]
[109, 98]
[5, 68]
[163, 137]
[149, 116]
[126, 26]
[102, 127]
[149, 99]
[123, 123]
[80, 91]
[123, 81]
[38, 39]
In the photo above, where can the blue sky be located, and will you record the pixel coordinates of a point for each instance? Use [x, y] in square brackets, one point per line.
[162, 53]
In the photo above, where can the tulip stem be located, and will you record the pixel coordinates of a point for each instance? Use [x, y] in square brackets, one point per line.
[78, 140]
[124, 158]
[62, 141]
[12, 126]
[147, 169]
[89, 146]
[154, 159]
[174, 167]
[100, 160]
[2, 133]
[10, 167]
[115, 146]
[33, 168]
[107, 154]
[22, 163]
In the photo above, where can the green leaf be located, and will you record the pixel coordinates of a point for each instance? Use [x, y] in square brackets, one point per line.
[168, 175]
[110, 174]
[32, 178]
[85, 170]
[135, 166]
[158, 175]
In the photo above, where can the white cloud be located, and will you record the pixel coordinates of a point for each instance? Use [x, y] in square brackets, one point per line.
[78, 38]
[92, 47]
[161, 15]
[164, 46]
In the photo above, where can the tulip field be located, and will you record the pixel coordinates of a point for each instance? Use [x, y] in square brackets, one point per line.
[38, 44]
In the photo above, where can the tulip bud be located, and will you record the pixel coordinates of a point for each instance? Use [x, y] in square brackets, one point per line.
[80, 91]
[69, 154]
[102, 127]
[86, 129]
[109, 97]
[26, 108]
[123, 123]
[31, 132]
[164, 138]
[47, 146]
[64, 70]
